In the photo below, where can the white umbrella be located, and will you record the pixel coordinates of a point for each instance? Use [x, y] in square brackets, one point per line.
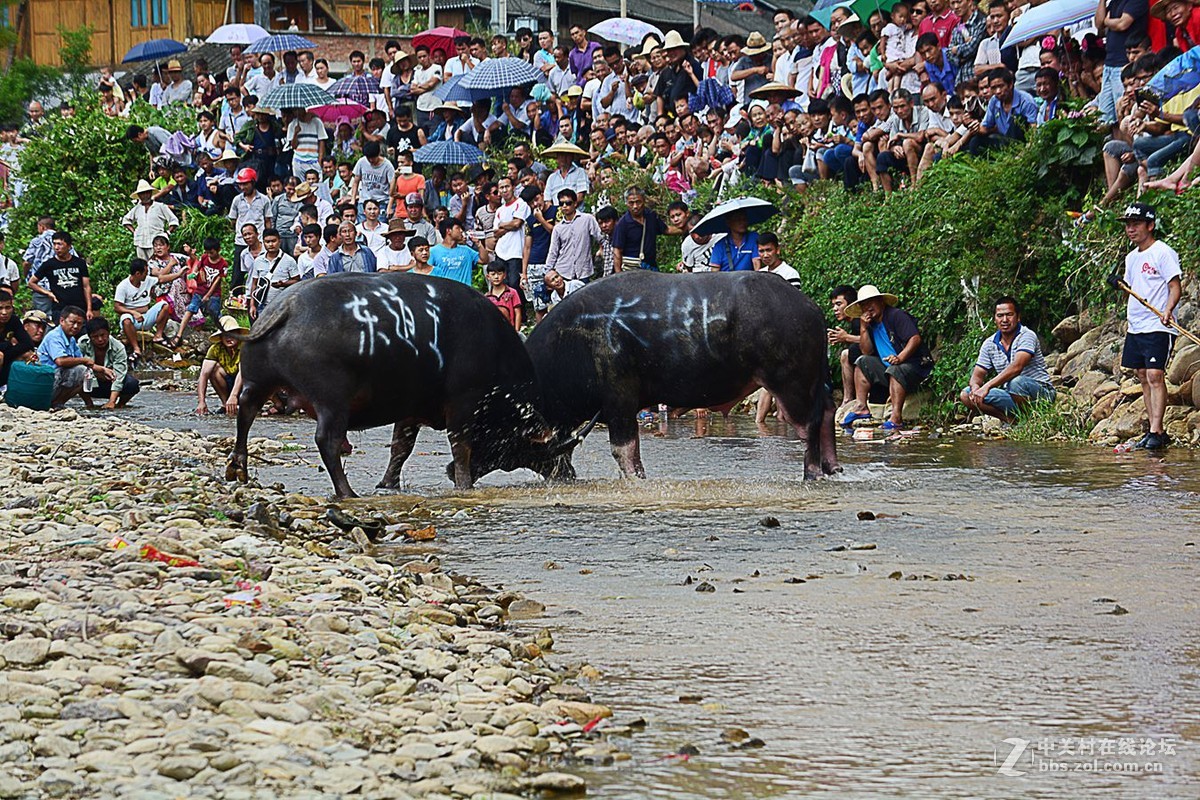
[1048, 17]
[625, 30]
[717, 221]
[237, 33]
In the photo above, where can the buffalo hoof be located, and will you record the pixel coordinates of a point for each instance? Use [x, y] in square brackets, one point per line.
[388, 484]
[831, 469]
[236, 472]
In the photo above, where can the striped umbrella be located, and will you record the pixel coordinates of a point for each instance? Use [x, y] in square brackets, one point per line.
[295, 95]
[358, 88]
[1048, 17]
[448, 153]
[154, 50]
[451, 92]
[278, 42]
[496, 76]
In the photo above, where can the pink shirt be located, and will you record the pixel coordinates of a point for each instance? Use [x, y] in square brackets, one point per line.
[508, 302]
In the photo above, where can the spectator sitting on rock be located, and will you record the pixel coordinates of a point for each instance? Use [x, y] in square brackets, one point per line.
[1014, 354]
[204, 279]
[140, 310]
[840, 298]
[221, 367]
[60, 349]
[894, 356]
[114, 381]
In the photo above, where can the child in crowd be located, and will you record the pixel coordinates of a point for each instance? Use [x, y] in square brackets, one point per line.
[503, 296]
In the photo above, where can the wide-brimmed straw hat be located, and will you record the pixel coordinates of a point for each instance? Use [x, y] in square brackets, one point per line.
[227, 325]
[673, 40]
[398, 61]
[869, 292]
[775, 87]
[565, 149]
[143, 186]
[650, 45]
[1160, 8]
[228, 154]
[756, 44]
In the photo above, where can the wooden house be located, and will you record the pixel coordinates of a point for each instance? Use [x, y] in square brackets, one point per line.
[118, 25]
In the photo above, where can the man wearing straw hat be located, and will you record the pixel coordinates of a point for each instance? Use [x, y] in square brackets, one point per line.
[753, 69]
[148, 218]
[894, 356]
[222, 366]
[179, 90]
[569, 174]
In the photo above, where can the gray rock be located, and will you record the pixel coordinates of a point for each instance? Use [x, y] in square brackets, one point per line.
[22, 599]
[492, 745]
[558, 782]
[25, 652]
[181, 767]
[60, 782]
[91, 709]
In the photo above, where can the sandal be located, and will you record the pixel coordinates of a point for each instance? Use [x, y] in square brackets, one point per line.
[160, 342]
[889, 427]
[849, 420]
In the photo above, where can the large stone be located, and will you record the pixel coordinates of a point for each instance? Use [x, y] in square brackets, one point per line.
[1084, 391]
[25, 652]
[494, 744]
[1184, 363]
[1078, 366]
[1106, 405]
[181, 767]
[576, 711]
[558, 782]
[22, 599]
[1067, 331]
[1195, 392]
[60, 782]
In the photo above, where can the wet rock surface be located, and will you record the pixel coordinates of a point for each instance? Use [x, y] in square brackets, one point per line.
[165, 634]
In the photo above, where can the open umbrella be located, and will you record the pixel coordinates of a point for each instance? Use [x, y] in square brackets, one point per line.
[295, 95]
[339, 111]
[237, 33]
[358, 88]
[154, 50]
[438, 39]
[625, 30]
[717, 221]
[448, 153]
[451, 92]
[496, 76]
[279, 42]
[1048, 17]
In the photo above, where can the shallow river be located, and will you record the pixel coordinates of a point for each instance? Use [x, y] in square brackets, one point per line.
[1074, 628]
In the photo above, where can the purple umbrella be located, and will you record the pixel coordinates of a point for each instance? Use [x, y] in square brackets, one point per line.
[358, 88]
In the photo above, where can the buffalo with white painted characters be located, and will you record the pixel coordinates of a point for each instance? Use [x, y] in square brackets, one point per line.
[640, 339]
[363, 350]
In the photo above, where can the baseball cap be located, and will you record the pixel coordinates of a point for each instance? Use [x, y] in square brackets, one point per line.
[575, 91]
[1138, 211]
[414, 199]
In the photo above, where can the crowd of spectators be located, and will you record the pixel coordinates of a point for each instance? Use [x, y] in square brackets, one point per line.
[872, 103]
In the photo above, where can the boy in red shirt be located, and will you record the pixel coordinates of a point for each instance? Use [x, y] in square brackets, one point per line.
[205, 275]
[503, 296]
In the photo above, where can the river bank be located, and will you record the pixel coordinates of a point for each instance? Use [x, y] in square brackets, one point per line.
[162, 633]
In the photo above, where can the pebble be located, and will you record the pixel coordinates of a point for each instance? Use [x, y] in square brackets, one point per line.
[335, 673]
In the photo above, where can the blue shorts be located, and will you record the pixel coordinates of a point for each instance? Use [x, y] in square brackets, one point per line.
[1147, 350]
[1020, 386]
[212, 307]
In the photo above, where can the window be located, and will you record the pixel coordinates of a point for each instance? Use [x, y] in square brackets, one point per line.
[158, 12]
[137, 13]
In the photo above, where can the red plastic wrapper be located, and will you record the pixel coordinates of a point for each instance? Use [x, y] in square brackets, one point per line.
[152, 553]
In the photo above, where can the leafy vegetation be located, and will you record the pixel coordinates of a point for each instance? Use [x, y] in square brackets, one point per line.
[1051, 421]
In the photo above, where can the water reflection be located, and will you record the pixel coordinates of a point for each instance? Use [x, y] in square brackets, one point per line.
[859, 683]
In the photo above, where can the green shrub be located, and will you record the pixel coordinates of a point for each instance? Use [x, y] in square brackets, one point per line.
[23, 80]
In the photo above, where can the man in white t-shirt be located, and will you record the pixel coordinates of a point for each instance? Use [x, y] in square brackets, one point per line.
[134, 300]
[509, 228]
[427, 76]
[1152, 272]
[274, 271]
[462, 62]
[393, 255]
[307, 136]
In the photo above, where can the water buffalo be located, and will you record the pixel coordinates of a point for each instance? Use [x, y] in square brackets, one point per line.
[638, 339]
[367, 350]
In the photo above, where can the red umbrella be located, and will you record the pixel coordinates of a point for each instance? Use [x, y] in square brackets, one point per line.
[340, 110]
[441, 38]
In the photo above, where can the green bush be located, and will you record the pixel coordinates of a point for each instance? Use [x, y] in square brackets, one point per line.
[23, 80]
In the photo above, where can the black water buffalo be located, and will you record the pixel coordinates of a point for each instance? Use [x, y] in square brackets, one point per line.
[639, 339]
[362, 351]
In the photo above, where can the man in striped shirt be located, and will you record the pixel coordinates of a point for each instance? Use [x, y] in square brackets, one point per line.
[1014, 355]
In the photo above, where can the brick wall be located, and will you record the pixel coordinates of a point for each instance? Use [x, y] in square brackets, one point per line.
[336, 47]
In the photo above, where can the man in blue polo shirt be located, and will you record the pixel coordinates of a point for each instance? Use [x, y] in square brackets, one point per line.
[452, 259]
[737, 251]
[1009, 113]
[1014, 354]
[60, 349]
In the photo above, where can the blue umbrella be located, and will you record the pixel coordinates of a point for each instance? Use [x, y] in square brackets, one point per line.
[450, 91]
[496, 76]
[448, 153]
[295, 95]
[358, 88]
[154, 50]
[1180, 75]
[279, 42]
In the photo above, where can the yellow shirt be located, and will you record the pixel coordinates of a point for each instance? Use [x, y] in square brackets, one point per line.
[1180, 103]
[230, 362]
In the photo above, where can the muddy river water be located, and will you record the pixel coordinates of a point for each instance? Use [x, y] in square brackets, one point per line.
[1062, 659]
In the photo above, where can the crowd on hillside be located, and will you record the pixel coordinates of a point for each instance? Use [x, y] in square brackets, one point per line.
[313, 191]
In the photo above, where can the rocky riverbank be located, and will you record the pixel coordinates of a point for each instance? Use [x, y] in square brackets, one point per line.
[1087, 369]
[162, 635]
